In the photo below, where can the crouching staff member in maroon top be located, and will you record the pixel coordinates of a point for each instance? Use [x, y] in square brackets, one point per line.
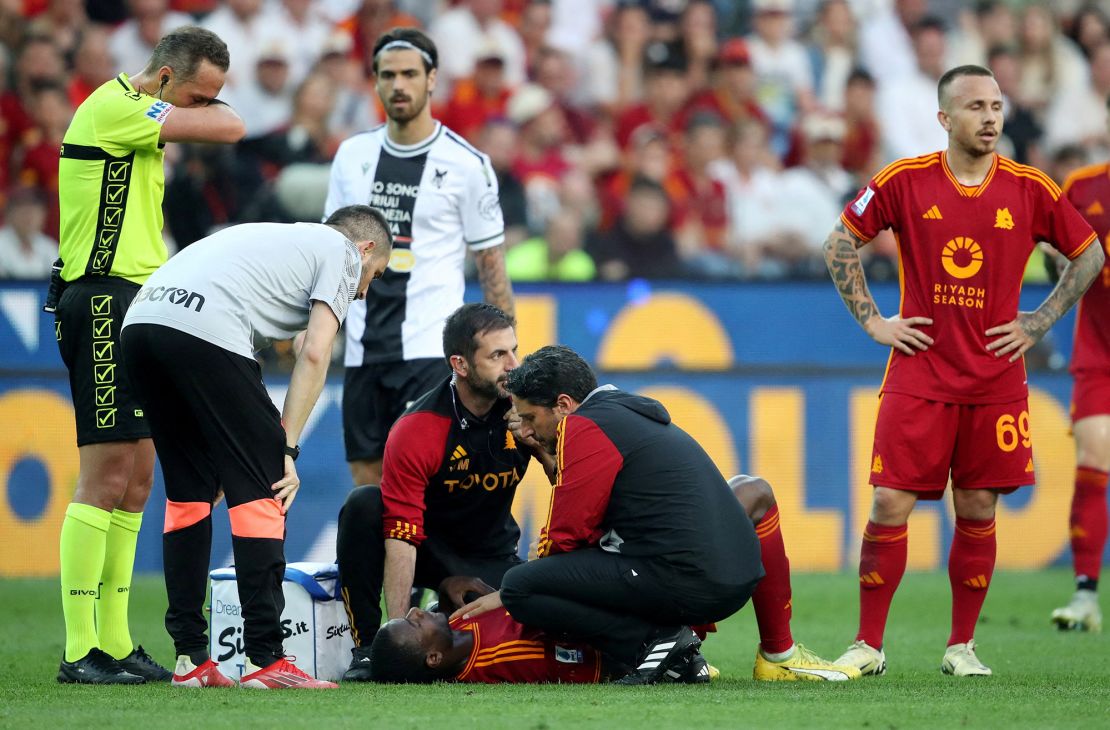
[450, 472]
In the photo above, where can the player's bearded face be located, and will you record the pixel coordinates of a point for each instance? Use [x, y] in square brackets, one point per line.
[974, 114]
[403, 85]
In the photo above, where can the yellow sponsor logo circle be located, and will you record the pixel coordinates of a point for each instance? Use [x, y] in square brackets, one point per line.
[962, 249]
[401, 260]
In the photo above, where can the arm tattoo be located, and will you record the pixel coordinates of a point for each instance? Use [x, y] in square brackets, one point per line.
[1074, 280]
[842, 260]
[496, 287]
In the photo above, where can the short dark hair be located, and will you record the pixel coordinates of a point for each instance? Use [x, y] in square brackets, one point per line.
[408, 35]
[954, 73]
[362, 223]
[395, 662]
[549, 371]
[466, 323]
[184, 49]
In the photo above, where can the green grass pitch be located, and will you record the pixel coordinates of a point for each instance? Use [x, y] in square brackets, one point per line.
[1043, 678]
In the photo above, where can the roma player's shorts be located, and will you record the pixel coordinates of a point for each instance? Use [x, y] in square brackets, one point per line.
[919, 442]
[1090, 395]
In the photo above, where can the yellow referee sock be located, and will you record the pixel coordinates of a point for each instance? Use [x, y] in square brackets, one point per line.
[115, 583]
[81, 550]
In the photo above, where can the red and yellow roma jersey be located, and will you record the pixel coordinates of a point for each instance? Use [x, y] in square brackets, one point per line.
[962, 252]
[1088, 189]
[506, 652]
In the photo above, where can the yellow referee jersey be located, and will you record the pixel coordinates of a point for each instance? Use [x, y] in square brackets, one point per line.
[110, 184]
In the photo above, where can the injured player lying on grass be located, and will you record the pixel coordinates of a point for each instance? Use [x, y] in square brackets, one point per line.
[482, 643]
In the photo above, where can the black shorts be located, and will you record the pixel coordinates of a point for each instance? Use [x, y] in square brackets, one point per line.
[87, 324]
[375, 396]
[213, 422]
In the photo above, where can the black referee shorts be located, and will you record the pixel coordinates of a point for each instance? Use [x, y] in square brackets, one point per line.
[375, 396]
[87, 324]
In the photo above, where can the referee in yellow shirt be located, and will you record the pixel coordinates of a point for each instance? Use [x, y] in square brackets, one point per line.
[110, 183]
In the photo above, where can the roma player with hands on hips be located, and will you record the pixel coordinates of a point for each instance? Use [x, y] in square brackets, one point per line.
[954, 398]
[1088, 189]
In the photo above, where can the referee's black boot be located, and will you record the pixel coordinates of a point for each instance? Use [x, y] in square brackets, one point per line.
[359, 671]
[664, 658]
[141, 664]
[96, 667]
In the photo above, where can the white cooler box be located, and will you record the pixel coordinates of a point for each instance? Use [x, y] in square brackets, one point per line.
[314, 623]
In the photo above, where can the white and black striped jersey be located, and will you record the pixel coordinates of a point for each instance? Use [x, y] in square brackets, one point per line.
[440, 196]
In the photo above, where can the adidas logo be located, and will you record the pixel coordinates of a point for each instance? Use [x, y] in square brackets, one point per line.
[1094, 208]
[459, 462]
[872, 579]
[933, 214]
[979, 581]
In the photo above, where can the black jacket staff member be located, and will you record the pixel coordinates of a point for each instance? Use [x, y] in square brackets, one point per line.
[110, 186]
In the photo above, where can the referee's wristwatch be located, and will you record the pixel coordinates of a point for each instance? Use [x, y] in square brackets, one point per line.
[292, 451]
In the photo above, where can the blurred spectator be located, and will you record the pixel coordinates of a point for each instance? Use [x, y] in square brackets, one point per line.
[640, 245]
[38, 168]
[12, 116]
[648, 157]
[575, 24]
[92, 65]
[1077, 115]
[908, 106]
[469, 25]
[698, 26]
[782, 68]
[62, 22]
[611, 69]
[13, 24]
[25, 251]
[301, 24]
[832, 53]
[535, 23]
[244, 26]
[481, 97]
[1050, 63]
[373, 18]
[557, 255]
[266, 99]
[665, 94]
[752, 185]
[700, 204]
[355, 109]
[813, 194]
[990, 25]
[1021, 130]
[540, 163]
[305, 139]
[886, 49]
[498, 139]
[133, 41]
[39, 63]
[862, 136]
[733, 93]
[1089, 29]
[201, 194]
[556, 72]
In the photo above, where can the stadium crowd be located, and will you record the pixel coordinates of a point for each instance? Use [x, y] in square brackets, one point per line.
[631, 138]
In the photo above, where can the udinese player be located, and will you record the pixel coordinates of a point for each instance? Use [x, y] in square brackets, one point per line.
[1088, 189]
[110, 194]
[954, 399]
[444, 507]
[441, 198]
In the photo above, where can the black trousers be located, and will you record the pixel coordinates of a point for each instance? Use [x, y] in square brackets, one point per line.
[360, 549]
[613, 602]
[214, 426]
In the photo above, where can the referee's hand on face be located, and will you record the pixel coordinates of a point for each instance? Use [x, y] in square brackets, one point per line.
[286, 488]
